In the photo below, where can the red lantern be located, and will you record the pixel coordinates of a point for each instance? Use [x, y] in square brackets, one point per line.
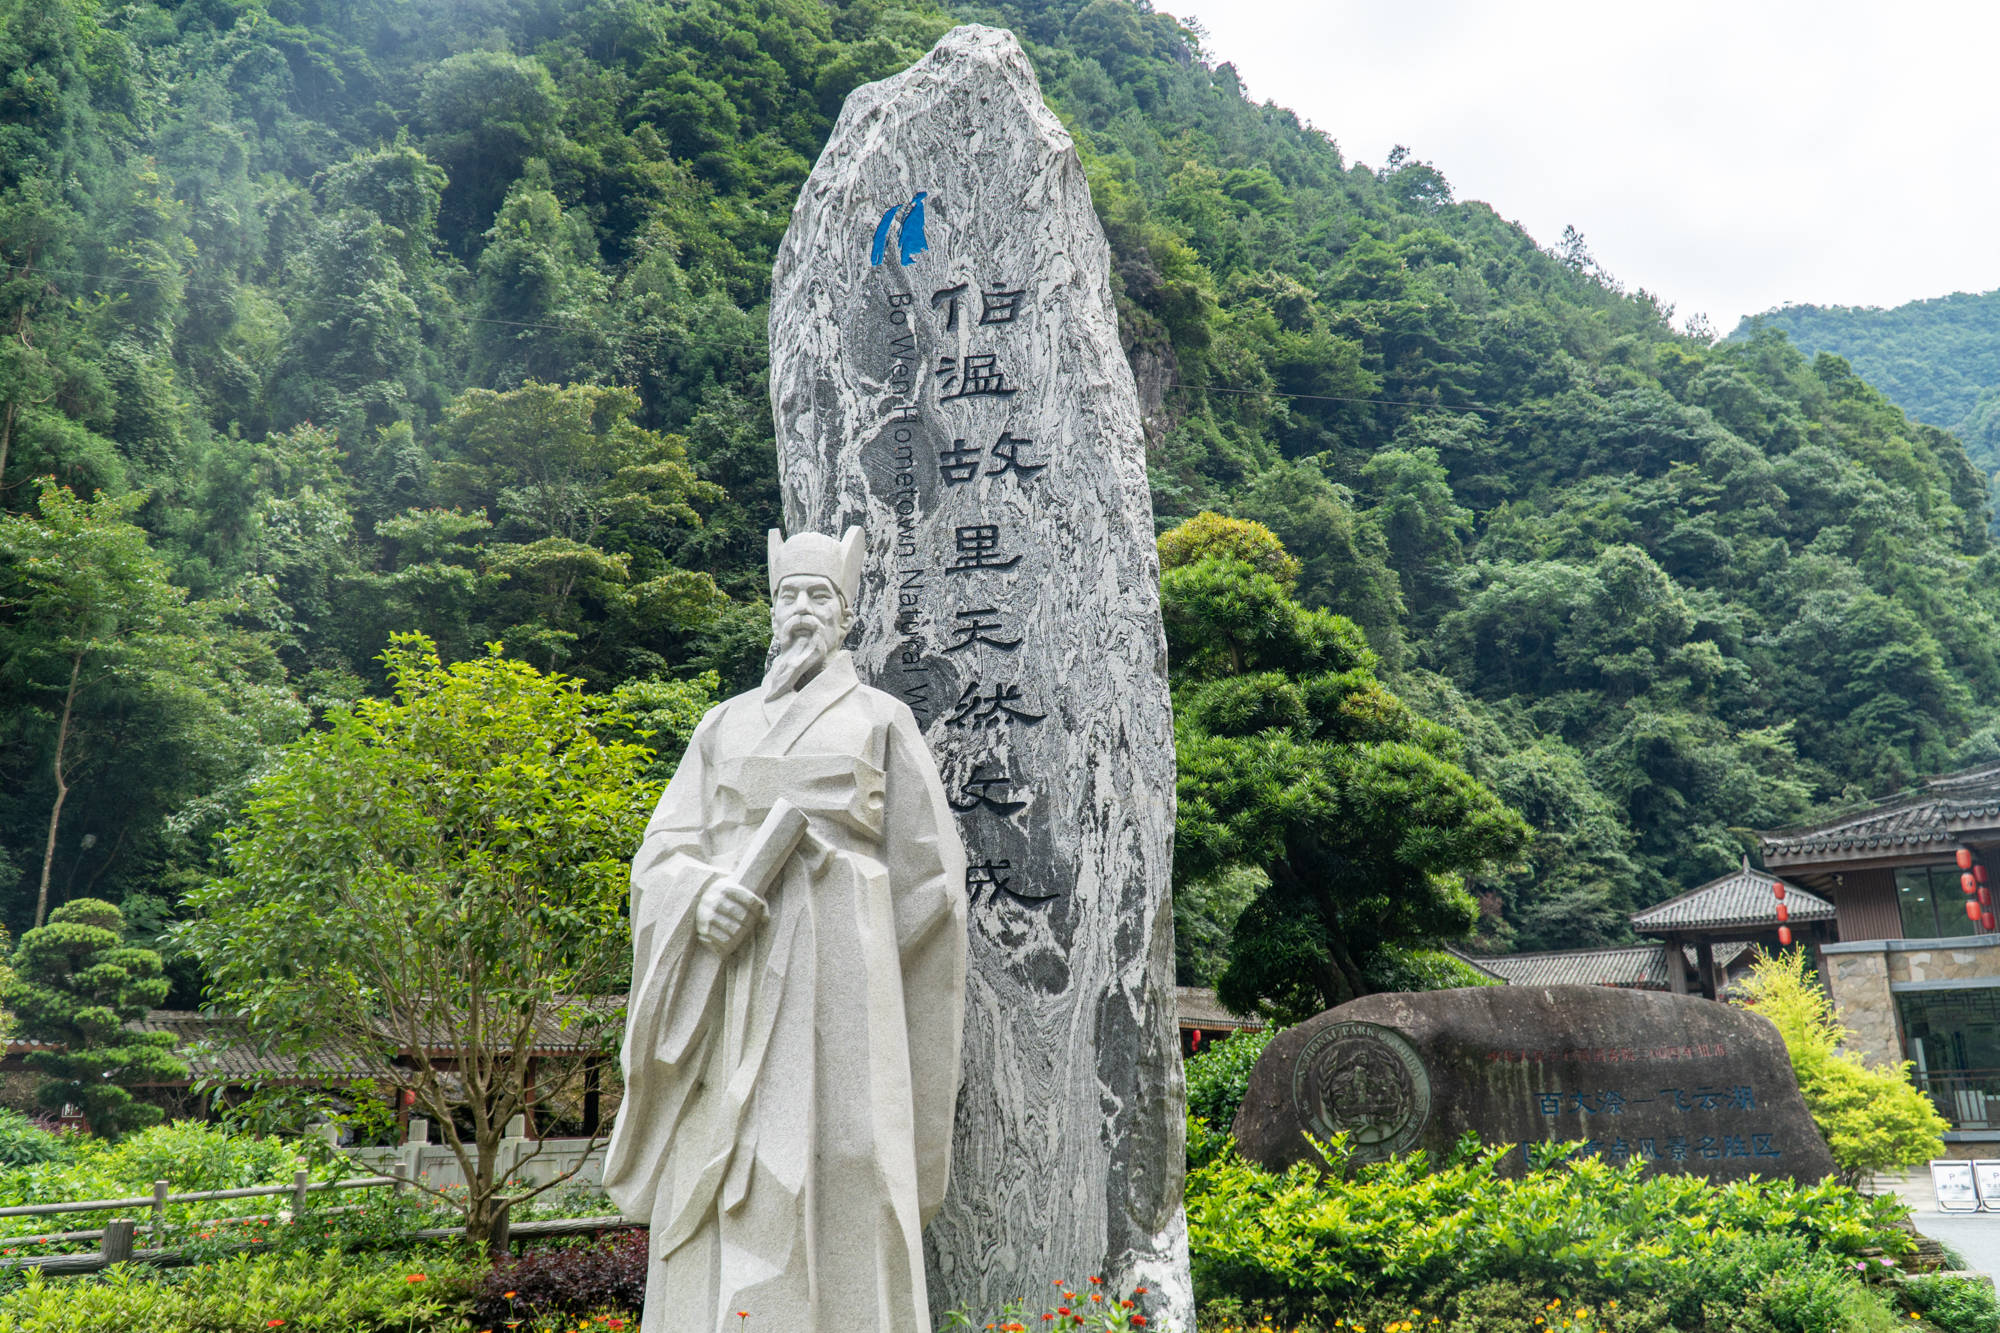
[1784, 912]
[1971, 910]
[1965, 858]
[1968, 883]
[1985, 896]
[1784, 936]
[1986, 921]
[1778, 891]
[1979, 873]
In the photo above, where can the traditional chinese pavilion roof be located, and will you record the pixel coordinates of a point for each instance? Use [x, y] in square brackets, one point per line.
[1643, 966]
[1739, 900]
[220, 1046]
[1935, 817]
[1639, 966]
[1200, 1009]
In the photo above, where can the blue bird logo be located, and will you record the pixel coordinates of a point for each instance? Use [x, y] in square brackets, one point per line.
[910, 241]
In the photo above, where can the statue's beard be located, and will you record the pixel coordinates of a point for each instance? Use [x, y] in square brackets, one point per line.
[800, 656]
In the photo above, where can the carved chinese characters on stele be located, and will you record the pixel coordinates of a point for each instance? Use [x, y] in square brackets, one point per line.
[946, 373]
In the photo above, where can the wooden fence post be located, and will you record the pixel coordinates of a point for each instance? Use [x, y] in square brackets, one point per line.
[298, 1195]
[159, 1209]
[117, 1245]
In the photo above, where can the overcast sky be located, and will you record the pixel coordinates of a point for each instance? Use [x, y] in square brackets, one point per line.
[1726, 156]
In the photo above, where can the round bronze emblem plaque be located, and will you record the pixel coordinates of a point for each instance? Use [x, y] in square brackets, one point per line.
[1366, 1080]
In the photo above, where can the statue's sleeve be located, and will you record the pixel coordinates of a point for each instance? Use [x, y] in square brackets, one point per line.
[927, 858]
[672, 983]
[927, 870]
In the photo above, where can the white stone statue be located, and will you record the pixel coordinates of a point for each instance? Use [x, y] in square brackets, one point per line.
[791, 1052]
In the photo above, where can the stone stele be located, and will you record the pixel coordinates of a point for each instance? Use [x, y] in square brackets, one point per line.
[1682, 1083]
[946, 373]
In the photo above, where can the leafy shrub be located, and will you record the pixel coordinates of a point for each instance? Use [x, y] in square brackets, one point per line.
[187, 1155]
[1412, 1231]
[1871, 1116]
[1817, 1298]
[1218, 1077]
[310, 1293]
[1959, 1305]
[1399, 969]
[23, 1142]
[565, 1279]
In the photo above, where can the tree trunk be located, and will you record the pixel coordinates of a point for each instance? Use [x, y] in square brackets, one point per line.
[62, 791]
[480, 1200]
[6, 438]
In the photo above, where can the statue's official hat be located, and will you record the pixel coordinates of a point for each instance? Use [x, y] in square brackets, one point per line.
[817, 553]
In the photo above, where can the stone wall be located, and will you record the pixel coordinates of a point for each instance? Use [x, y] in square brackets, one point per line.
[1956, 960]
[1857, 977]
[1860, 975]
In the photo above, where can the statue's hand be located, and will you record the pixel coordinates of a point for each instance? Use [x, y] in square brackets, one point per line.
[725, 914]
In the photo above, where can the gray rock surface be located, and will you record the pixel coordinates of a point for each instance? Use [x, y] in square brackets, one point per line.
[946, 373]
[1683, 1083]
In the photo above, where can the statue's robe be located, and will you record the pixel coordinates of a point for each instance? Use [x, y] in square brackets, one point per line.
[787, 1118]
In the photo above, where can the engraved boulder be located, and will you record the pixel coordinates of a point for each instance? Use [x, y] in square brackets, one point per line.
[1680, 1083]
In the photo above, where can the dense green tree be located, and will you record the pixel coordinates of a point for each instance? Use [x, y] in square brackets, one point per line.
[1295, 761]
[585, 500]
[76, 984]
[113, 680]
[442, 871]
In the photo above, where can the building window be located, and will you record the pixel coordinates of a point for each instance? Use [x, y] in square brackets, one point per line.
[1933, 906]
[1953, 1039]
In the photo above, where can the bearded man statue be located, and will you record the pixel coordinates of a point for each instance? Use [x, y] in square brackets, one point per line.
[791, 1050]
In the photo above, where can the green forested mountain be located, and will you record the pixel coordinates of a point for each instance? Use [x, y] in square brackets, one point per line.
[1939, 360]
[330, 318]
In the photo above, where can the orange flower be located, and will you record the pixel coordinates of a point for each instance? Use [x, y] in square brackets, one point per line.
[1139, 1320]
[415, 1277]
[506, 1295]
[1138, 1291]
[1098, 1280]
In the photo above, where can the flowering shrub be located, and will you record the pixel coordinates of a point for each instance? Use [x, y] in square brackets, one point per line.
[294, 1293]
[1960, 1305]
[575, 1279]
[1453, 1238]
[1090, 1306]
